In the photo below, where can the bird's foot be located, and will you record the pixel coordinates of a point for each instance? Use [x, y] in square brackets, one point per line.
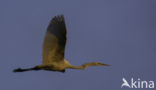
[17, 70]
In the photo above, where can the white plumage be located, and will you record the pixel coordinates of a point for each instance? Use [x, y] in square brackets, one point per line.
[53, 49]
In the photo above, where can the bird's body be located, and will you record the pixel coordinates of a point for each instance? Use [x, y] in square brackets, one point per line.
[53, 49]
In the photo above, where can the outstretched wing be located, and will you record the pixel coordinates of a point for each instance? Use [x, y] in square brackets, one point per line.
[53, 47]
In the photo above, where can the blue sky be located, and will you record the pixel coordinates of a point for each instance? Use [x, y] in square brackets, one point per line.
[117, 32]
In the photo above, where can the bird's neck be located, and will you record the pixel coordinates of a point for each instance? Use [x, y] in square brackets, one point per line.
[76, 67]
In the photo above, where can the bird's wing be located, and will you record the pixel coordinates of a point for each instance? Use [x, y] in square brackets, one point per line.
[53, 47]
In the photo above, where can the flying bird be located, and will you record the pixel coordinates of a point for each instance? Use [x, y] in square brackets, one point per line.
[53, 49]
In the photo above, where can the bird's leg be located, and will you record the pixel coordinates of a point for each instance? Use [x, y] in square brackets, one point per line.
[36, 68]
[63, 71]
[27, 69]
[20, 70]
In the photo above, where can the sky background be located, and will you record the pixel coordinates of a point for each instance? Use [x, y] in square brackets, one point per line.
[121, 33]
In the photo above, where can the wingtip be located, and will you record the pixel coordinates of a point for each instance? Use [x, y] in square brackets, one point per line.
[58, 18]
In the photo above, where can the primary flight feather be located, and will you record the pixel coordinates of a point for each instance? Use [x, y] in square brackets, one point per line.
[53, 49]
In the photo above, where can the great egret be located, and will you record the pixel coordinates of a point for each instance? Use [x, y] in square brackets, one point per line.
[53, 49]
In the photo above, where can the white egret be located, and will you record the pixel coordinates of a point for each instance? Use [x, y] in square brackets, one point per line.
[53, 49]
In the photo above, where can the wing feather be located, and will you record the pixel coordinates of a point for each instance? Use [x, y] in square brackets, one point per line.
[53, 47]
